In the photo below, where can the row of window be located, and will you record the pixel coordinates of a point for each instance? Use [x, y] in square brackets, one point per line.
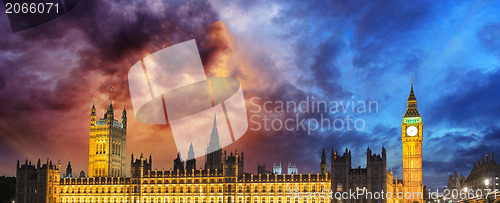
[239, 199]
[254, 188]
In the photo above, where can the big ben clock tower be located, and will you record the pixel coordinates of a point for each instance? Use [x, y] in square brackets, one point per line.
[412, 137]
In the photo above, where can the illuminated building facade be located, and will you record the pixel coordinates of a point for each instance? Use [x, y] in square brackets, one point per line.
[412, 137]
[107, 147]
[197, 186]
[375, 177]
[222, 180]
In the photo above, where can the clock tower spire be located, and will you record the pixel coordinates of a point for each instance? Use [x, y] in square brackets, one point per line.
[411, 108]
[412, 138]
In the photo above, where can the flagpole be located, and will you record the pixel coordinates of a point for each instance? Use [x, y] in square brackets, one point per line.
[110, 90]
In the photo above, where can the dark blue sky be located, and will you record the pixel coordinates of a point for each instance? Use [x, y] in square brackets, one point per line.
[370, 50]
[280, 51]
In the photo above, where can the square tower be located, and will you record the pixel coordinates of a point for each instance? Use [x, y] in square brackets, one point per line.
[412, 138]
[107, 147]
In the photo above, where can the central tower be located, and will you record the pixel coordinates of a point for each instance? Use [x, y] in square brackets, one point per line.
[412, 137]
[107, 147]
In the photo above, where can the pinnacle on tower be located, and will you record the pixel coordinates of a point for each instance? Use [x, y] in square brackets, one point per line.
[191, 152]
[412, 95]
[411, 109]
[323, 157]
[215, 122]
[92, 115]
[214, 143]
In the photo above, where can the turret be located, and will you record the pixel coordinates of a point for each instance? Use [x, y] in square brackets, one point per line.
[323, 167]
[368, 155]
[237, 156]
[179, 163]
[348, 158]
[124, 118]
[69, 171]
[332, 157]
[140, 167]
[110, 115]
[191, 161]
[384, 154]
[191, 152]
[92, 116]
[141, 164]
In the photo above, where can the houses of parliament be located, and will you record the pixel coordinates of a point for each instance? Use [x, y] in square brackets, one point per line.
[223, 178]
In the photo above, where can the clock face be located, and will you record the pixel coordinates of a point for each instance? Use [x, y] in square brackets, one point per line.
[411, 131]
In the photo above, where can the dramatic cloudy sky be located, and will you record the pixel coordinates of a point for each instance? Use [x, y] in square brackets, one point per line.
[280, 51]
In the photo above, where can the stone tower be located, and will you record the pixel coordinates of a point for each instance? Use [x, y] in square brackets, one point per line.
[107, 147]
[412, 138]
[323, 166]
[191, 161]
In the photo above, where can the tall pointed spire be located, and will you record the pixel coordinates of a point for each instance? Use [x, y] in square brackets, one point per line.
[191, 152]
[412, 95]
[411, 109]
[215, 122]
[124, 117]
[109, 112]
[214, 144]
[323, 157]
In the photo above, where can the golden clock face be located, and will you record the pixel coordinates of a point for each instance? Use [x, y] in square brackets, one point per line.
[411, 131]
